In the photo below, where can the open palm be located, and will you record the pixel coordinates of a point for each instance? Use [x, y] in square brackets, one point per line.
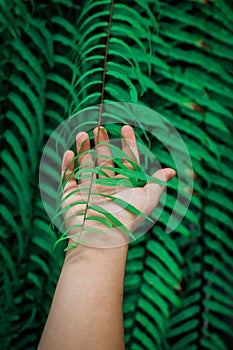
[108, 206]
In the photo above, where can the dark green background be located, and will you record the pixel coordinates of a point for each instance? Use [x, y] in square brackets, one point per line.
[176, 58]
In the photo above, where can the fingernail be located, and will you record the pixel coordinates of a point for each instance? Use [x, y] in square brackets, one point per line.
[81, 134]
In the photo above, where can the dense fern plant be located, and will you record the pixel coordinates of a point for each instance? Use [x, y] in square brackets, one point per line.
[175, 57]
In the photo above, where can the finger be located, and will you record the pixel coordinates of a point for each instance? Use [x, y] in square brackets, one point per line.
[153, 191]
[103, 150]
[165, 175]
[68, 176]
[129, 146]
[84, 160]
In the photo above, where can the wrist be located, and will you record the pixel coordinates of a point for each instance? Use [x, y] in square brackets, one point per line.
[86, 254]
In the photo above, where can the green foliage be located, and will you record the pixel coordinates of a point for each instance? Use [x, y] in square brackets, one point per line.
[176, 58]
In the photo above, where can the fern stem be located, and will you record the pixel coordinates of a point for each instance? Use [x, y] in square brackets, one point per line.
[105, 64]
[101, 108]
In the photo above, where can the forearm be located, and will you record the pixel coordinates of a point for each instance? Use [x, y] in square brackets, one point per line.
[86, 312]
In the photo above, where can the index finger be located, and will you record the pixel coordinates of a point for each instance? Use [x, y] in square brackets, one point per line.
[85, 160]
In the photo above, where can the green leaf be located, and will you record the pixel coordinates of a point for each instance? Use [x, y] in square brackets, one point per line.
[161, 253]
[217, 323]
[127, 206]
[166, 292]
[112, 218]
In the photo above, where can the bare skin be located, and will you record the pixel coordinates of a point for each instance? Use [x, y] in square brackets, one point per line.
[86, 311]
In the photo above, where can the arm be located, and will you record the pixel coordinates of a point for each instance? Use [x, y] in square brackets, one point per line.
[86, 312]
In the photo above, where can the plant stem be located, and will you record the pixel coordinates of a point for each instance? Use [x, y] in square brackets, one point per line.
[101, 109]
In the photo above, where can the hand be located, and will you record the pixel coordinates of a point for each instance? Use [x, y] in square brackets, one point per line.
[145, 199]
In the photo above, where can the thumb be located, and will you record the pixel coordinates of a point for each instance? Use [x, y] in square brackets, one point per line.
[154, 190]
[165, 175]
